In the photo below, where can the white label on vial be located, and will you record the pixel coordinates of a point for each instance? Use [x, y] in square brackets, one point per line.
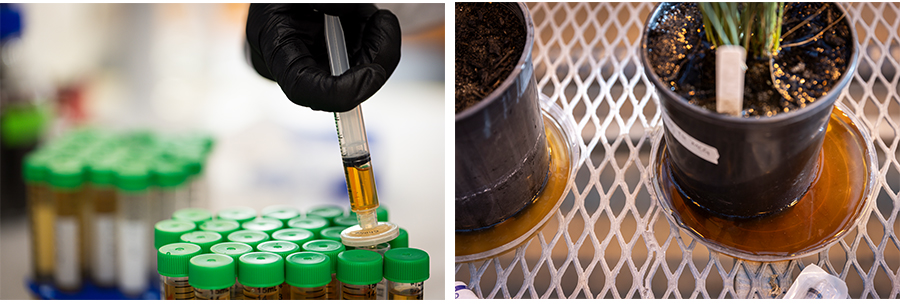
[133, 252]
[104, 256]
[462, 291]
[700, 149]
[68, 268]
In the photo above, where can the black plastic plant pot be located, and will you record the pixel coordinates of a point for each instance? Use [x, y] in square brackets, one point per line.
[502, 160]
[737, 167]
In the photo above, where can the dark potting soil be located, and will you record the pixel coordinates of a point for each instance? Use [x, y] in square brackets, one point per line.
[489, 42]
[682, 57]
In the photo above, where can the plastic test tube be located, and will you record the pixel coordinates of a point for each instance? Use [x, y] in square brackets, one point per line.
[233, 250]
[239, 214]
[172, 264]
[212, 276]
[281, 213]
[134, 199]
[202, 239]
[66, 178]
[406, 270]
[359, 272]
[102, 228]
[41, 215]
[196, 215]
[262, 274]
[267, 225]
[331, 249]
[221, 226]
[250, 237]
[283, 249]
[381, 249]
[313, 224]
[294, 235]
[307, 274]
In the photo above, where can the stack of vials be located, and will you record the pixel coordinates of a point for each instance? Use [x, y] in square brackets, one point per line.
[281, 254]
[92, 198]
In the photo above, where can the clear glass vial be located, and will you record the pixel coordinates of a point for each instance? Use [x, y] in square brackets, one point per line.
[173, 262]
[212, 276]
[381, 288]
[331, 249]
[283, 249]
[262, 274]
[406, 270]
[359, 272]
[233, 250]
[66, 179]
[133, 237]
[307, 275]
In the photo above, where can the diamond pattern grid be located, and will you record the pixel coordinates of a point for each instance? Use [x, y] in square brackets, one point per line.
[608, 240]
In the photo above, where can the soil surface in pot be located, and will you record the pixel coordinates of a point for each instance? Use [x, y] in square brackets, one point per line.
[812, 59]
[489, 42]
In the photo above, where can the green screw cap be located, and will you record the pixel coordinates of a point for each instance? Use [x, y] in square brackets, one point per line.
[282, 248]
[261, 269]
[34, 167]
[169, 231]
[168, 174]
[220, 226]
[327, 247]
[211, 271]
[402, 240]
[313, 224]
[297, 236]
[195, 215]
[263, 224]
[239, 214]
[281, 213]
[172, 260]
[346, 221]
[232, 249]
[406, 265]
[66, 173]
[132, 175]
[359, 267]
[327, 212]
[102, 170]
[308, 269]
[202, 239]
[332, 233]
[250, 237]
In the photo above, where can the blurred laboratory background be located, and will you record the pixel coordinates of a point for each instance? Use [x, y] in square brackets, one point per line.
[172, 70]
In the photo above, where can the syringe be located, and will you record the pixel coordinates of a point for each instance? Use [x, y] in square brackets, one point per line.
[355, 154]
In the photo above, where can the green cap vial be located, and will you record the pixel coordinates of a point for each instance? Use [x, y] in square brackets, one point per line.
[313, 224]
[232, 249]
[359, 267]
[281, 213]
[327, 212]
[332, 233]
[261, 269]
[263, 224]
[169, 231]
[345, 221]
[402, 240]
[195, 215]
[211, 271]
[172, 260]
[66, 173]
[133, 176]
[406, 265]
[169, 173]
[282, 248]
[328, 247]
[239, 214]
[220, 226]
[202, 239]
[294, 235]
[250, 237]
[307, 269]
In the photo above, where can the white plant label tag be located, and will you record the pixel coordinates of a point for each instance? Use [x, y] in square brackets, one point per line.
[700, 149]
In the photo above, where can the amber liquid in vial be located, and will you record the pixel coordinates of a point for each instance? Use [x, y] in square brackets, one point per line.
[42, 215]
[358, 292]
[405, 291]
[263, 293]
[177, 289]
[212, 294]
[308, 293]
[360, 183]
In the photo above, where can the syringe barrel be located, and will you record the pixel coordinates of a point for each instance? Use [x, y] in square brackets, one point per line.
[350, 125]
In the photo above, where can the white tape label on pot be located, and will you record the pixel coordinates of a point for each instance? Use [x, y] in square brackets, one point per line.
[700, 149]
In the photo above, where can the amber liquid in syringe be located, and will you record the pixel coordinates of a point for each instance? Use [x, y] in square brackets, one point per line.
[360, 183]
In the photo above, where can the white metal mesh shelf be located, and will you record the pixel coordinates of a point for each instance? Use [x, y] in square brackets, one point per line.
[609, 240]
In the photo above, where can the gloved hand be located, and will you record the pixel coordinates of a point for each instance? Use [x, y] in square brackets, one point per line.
[287, 45]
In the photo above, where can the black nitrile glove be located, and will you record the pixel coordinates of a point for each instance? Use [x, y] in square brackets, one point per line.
[287, 45]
